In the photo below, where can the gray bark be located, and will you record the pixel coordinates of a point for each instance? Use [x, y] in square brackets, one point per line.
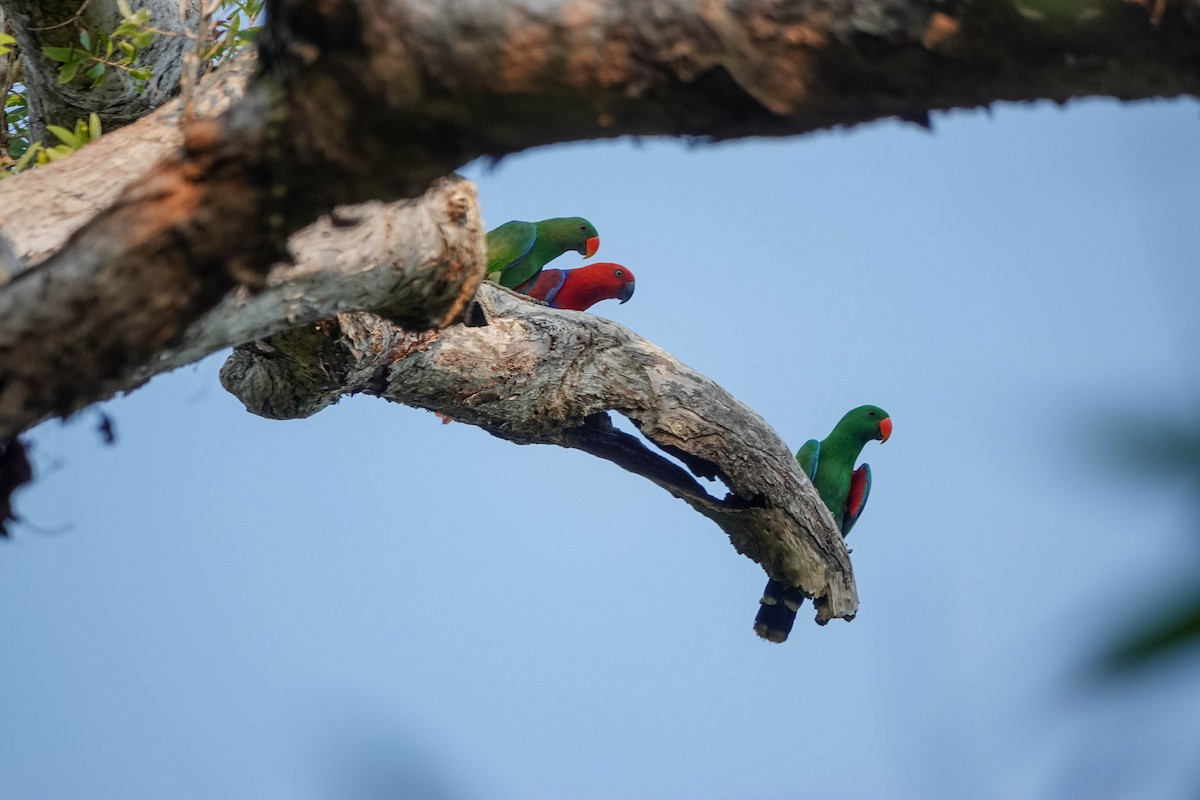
[536, 375]
[389, 258]
[10, 73]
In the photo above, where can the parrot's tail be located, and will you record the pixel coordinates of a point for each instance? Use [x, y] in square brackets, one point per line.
[777, 612]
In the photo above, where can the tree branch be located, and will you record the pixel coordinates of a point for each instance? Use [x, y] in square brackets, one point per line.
[367, 99]
[536, 375]
[58, 199]
[419, 261]
[479, 77]
[361, 99]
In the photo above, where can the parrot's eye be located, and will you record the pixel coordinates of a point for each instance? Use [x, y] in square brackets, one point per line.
[870, 413]
[619, 274]
[583, 227]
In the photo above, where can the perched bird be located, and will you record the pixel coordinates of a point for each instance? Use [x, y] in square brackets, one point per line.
[517, 251]
[829, 463]
[581, 288]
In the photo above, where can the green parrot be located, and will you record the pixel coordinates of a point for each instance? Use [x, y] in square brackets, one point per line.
[829, 463]
[517, 251]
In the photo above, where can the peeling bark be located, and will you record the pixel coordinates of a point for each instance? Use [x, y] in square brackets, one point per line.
[537, 375]
[419, 261]
[58, 199]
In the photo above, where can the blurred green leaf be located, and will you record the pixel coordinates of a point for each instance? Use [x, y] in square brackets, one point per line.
[30, 153]
[60, 54]
[67, 71]
[65, 136]
[1178, 630]
[1166, 452]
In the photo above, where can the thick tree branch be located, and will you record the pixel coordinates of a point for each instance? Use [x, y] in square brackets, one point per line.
[58, 199]
[533, 374]
[363, 99]
[418, 261]
[473, 77]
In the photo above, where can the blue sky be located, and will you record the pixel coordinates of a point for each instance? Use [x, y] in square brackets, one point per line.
[369, 604]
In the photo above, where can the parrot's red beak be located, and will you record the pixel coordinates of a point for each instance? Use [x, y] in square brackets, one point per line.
[885, 429]
[591, 246]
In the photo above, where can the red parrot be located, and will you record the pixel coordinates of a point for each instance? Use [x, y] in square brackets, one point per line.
[581, 288]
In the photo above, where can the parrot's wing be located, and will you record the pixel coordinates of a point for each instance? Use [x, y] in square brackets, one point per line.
[545, 285]
[508, 244]
[856, 501]
[807, 456]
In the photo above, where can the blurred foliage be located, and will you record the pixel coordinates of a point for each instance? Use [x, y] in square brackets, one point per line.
[93, 58]
[238, 28]
[71, 141]
[1164, 452]
[96, 55]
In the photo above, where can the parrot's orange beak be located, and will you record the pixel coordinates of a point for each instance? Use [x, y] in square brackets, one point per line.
[885, 429]
[591, 246]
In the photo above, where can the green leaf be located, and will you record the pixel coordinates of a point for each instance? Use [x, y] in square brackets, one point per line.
[30, 153]
[55, 153]
[123, 7]
[94, 129]
[61, 54]
[65, 136]
[96, 73]
[85, 40]
[67, 71]
[141, 73]
[6, 39]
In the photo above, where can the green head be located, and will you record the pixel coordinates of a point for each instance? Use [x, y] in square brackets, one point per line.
[571, 233]
[865, 423]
